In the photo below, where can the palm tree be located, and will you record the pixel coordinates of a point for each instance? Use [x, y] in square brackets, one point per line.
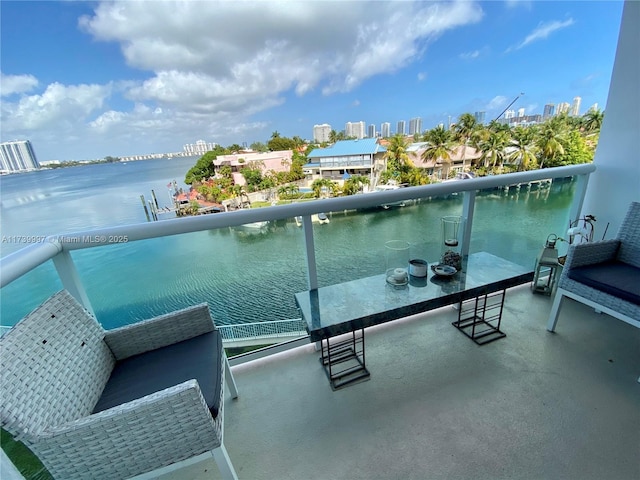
[354, 184]
[496, 126]
[297, 141]
[463, 131]
[493, 148]
[360, 181]
[592, 120]
[290, 190]
[275, 134]
[396, 155]
[321, 183]
[549, 142]
[418, 176]
[523, 149]
[440, 147]
[283, 190]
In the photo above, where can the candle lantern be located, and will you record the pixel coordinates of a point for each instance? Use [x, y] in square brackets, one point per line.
[547, 268]
[397, 262]
[451, 253]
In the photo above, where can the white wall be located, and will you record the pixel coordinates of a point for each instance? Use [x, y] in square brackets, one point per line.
[616, 182]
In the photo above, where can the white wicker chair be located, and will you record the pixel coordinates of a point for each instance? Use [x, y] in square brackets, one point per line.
[55, 365]
[615, 267]
[624, 251]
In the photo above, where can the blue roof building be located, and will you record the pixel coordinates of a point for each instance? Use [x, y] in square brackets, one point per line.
[346, 158]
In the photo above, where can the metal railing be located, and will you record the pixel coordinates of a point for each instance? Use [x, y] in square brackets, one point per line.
[57, 247]
[276, 328]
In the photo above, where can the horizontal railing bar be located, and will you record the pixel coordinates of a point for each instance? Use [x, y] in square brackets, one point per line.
[18, 263]
[26, 259]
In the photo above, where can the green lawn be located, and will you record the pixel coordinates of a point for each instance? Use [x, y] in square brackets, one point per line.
[25, 461]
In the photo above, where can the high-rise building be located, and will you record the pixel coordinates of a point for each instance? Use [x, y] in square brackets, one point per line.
[593, 107]
[562, 108]
[401, 129]
[17, 155]
[575, 106]
[548, 110]
[385, 130]
[199, 148]
[415, 125]
[355, 129]
[509, 114]
[520, 112]
[321, 133]
[371, 130]
[479, 116]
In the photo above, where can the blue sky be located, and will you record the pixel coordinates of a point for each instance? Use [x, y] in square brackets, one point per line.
[84, 80]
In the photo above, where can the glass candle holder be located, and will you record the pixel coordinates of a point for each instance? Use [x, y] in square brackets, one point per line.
[397, 262]
[451, 241]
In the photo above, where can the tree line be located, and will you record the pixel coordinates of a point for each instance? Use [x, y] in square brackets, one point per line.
[216, 188]
[560, 140]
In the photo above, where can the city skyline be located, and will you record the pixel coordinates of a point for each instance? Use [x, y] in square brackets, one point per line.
[479, 116]
[119, 78]
[19, 155]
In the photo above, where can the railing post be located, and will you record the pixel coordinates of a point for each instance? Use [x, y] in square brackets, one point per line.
[71, 280]
[468, 208]
[312, 269]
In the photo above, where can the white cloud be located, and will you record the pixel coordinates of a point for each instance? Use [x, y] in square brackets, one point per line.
[518, 3]
[208, 66]
[59, 106]
[243, 50]
[499, 101]
[542, 31]
[470, 55]
[422, 76]
[11, 84]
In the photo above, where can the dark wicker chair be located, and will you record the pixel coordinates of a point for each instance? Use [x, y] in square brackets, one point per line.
[135, 401]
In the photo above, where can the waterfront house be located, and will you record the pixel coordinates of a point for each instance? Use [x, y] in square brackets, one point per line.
[461, 160]
[347, 157]
[278, 161]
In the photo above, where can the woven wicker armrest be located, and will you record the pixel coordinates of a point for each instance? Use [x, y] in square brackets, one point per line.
[133, 438]
[591, 253]
[160, 331]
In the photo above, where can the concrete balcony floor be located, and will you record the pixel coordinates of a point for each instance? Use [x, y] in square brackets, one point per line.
[532, 405]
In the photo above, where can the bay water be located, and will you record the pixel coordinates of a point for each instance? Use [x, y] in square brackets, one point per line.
[244, 274]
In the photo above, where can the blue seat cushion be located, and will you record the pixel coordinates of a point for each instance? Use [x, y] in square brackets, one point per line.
[615, 278]
[197, 358]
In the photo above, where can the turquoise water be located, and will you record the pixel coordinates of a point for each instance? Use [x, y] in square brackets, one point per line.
[244, 275]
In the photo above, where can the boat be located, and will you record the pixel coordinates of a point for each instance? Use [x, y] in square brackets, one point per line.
[461, 176]
[255, 224]
[386, 188]
[253, 228]
[320, 218]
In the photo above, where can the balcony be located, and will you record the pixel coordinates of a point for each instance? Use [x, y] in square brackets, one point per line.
[531, 405]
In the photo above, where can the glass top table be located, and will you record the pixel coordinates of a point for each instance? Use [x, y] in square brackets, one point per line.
[350, 307]
[357, 304]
